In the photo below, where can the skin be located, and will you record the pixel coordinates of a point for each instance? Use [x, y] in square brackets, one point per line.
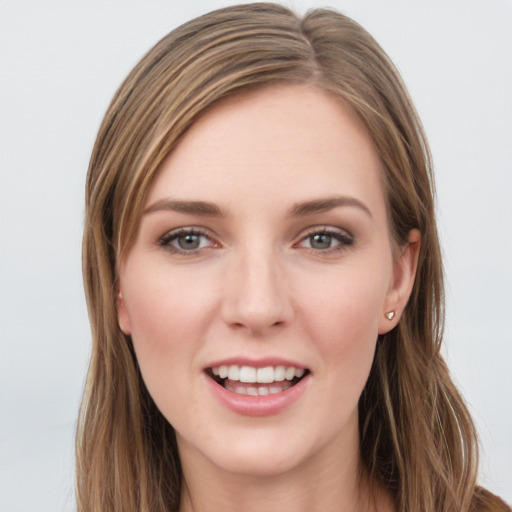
[260, 284]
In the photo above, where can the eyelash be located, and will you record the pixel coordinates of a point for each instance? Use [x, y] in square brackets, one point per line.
[167, 240]
[343, 238]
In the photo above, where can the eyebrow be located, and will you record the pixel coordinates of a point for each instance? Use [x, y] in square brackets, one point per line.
[302, 209]
[202, 208]
[325, 204]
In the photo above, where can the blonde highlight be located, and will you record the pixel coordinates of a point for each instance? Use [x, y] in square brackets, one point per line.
[417, 437]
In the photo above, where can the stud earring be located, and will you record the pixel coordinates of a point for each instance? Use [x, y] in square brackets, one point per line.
[390, 315]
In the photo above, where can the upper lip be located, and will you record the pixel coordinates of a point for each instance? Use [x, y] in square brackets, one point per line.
[255, 363]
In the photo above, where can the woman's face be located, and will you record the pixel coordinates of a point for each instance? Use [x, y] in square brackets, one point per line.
[259, 281]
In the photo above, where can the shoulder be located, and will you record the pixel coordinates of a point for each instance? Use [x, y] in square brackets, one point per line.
[485, 501]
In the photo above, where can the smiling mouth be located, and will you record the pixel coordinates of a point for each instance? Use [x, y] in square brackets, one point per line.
[249, 380]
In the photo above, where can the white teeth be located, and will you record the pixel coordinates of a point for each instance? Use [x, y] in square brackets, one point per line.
[279, 373]
[223, 371]
[252, 375]
[234, 372]
[290, 373]
[247, 374]
[265, 375]
[260, 391]
[277, 389]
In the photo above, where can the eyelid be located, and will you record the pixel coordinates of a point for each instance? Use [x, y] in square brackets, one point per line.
[167, 238]
[344, 237]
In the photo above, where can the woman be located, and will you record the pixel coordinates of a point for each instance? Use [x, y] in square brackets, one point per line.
[264, 282]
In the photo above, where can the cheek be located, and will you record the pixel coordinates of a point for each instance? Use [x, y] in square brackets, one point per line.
[347, 304]
[167, 314]
[165, 307]
[342, 315]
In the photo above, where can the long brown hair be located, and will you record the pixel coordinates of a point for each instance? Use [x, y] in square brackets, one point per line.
[417, 438]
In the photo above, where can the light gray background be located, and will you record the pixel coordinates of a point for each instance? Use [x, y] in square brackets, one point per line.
[60, 63]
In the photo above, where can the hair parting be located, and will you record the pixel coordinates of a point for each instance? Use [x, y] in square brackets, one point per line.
[417, 437]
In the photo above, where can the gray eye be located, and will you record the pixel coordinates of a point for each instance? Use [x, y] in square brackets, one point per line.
[188, 241]
[320, 241]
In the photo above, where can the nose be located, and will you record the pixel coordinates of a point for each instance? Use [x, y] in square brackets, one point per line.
[256, 295]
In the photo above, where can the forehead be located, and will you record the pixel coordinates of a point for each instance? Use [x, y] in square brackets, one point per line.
[292, 141]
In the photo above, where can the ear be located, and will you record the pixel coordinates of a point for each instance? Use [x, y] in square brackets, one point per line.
[123, 318]
[404, 273]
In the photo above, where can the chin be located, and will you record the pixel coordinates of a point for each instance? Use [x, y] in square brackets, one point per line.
[257, 454]
[270, 462]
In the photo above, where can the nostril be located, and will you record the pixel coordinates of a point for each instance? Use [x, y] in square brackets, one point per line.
[257, 326]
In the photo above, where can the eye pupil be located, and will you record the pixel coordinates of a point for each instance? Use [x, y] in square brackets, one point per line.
[189, 241]
[321, 241]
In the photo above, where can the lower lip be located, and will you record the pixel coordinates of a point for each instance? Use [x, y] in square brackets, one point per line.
[261, 405]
